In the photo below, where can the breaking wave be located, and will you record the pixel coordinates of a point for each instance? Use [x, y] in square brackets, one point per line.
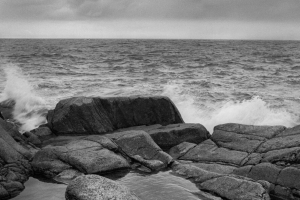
[29, 109]
[254, 111]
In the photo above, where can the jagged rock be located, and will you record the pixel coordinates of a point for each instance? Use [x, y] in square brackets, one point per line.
[181, 149]
[174, 134]
[89, 155]
[32, 138]
[139, 143]
[83, 115]
[93, 187]
[225, 186]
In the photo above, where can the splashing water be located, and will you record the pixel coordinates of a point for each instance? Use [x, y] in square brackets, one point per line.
[29, 109]
[254, 111]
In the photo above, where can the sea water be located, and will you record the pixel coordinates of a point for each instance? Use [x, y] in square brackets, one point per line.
[210, 81]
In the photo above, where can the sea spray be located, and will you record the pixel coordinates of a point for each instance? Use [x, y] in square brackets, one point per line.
[29, 109]
[254, 111]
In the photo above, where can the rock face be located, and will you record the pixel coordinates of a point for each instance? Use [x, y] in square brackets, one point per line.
[6, 109]
[269, 153]
[14, 166]
[83, 115]
[93, 187]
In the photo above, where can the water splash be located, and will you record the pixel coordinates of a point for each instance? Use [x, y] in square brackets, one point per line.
[29, 109]
[254, 111]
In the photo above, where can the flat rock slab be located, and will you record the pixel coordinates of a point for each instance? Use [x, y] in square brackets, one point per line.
[181, 149]
[86, 115]
[139, 143]
[225, 186]
[208, 151]
[93, 154]
[93, 187]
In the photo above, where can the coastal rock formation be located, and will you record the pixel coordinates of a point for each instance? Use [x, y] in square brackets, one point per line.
[6, 109]
[84, 115]
[93, 187]
[269, 153]
[14, 166]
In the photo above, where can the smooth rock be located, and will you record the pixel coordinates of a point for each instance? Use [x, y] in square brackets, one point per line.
[93, 187]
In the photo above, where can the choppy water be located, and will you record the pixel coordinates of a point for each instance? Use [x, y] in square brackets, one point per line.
[211, 82]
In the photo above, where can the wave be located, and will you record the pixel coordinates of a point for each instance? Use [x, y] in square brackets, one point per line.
[29, 109]
[254, 111]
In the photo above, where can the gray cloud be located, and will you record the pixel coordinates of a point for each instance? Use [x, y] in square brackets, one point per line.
[250, 10]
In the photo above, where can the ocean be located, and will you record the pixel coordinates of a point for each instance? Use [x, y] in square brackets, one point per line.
[210, 81]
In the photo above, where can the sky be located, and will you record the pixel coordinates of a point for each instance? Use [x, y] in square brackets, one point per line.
[151, 19]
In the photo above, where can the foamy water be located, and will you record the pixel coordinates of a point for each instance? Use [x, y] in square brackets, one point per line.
[211, 82]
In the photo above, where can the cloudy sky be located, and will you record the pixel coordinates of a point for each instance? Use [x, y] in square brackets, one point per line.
[191, 19]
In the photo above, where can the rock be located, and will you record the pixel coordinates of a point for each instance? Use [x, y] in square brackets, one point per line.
[6, 108]
[14, 166]
[89, 155]
[93, 187]
[289, 177]
[243, 137]
[32, 138]
[84, 115]
[280, 143]
[42, 133]
[1, 116]
[208, 151]
[181, 149]
[67, 176]
[215, 167]
[139, 143]
[174, 134]
[225, 186]
[265, 171]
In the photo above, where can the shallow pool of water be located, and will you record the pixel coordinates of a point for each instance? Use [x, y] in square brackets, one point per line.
[160, 186]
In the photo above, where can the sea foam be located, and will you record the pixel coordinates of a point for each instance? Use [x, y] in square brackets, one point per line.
[29, 109]
[254, 111]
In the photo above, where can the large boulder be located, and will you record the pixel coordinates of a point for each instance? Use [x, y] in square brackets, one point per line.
[93, 187]
[87, 115]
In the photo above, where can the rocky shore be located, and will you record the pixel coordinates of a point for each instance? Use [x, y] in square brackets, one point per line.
[88, 137]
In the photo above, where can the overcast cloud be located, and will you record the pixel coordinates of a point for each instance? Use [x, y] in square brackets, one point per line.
[215, 19]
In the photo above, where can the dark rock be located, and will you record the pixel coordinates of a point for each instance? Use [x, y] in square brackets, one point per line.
[42, 133]
[174, 134]
[83, 115]
[1, 116]
[139, 143]
[67, 176]
[32, 138]
[6, 108]
[265, 171]
[93, 187]
[280, 143]
[181, 149]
